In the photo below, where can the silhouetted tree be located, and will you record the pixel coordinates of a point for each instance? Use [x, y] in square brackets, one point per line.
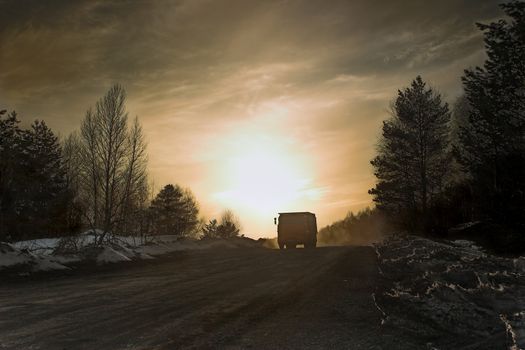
[10, 136]
[113, 163]
[135, 180]
[209, 230]
[43, 199]
[174, 211]
[459, 119]
[368, 225]
[104, 133]
[229, 226]
[34, 194]
[71, 149]
[412, 152]
[140, 220]
[493, 143]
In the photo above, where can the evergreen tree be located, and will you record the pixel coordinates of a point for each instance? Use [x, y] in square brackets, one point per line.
[493, 144]
[412, 153]
[210, 229]
[366, 226]
[42, 190]
[33, 191]
[174, 211]
[229, 225]
[459, 120]
[10, 135]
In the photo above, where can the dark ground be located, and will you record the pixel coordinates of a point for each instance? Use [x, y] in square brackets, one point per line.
[231, 298]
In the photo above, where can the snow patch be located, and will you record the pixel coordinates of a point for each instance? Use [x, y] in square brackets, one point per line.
[463, 243]
[110, 255]
[56, 253]
[451, 291]
[11, 256]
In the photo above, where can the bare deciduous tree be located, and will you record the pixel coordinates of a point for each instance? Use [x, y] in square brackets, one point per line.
[113, 163]
[72, 167]
[135, 177]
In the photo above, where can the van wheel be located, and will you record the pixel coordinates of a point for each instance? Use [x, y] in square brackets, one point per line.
[310, 245]
[290, 246]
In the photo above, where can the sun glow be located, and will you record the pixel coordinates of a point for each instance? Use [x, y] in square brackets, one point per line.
[263, 176]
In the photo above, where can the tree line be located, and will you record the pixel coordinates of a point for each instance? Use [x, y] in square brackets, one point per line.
[95, 179]
[361, 228]
[438, 166]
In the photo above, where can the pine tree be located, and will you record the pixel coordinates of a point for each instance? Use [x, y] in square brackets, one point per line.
[493, 144]
[412, 153]
[210, 229]
[42, 196]
[229, 225]
[33, 191]
[174, 211]
[10, 136]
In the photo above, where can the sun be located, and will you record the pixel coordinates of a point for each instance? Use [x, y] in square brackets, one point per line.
[262, 175]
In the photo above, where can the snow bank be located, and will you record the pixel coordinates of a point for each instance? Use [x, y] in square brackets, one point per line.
[42, 246]
[162, 247]
[12, 257]
[110, 255]
[54, 253]
[453, 293]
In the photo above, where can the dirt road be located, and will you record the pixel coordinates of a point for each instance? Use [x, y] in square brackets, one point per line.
[231, 298]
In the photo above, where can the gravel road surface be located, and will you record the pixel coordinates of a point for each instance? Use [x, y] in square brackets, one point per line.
[229, 299]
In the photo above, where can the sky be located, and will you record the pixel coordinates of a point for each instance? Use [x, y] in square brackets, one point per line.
[256, 106]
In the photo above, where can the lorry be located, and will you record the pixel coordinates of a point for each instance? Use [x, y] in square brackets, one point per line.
[296, 228]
